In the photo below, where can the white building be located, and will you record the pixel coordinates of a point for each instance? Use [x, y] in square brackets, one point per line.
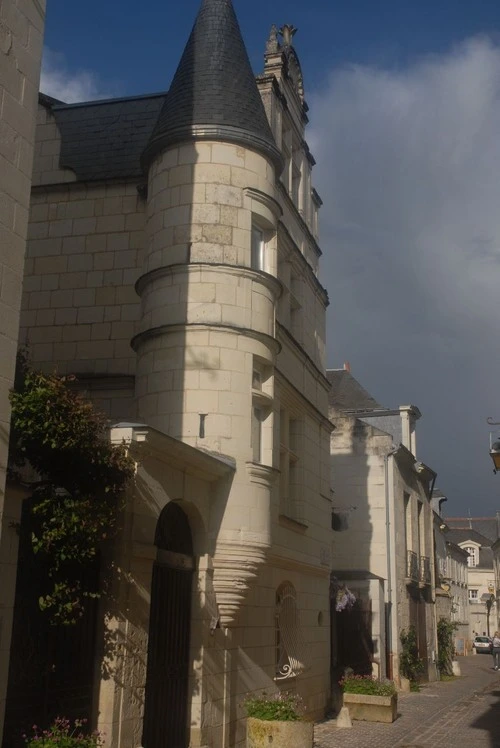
[383, 547]
[481, 584]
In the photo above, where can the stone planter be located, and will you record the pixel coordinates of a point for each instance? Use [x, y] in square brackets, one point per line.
[372, 708]
[263, 733]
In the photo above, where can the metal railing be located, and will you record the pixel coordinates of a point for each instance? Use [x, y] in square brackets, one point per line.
[425, 570]
[412, 566]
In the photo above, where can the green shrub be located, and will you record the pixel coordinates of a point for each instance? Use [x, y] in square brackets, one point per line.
[366, 684]
[279, 707]
[63, 734]
[446, 646]
[410, 664]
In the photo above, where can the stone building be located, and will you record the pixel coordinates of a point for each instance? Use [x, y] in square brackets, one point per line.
[477, 536]
[21, 37]
[172, 265]
[383, 520]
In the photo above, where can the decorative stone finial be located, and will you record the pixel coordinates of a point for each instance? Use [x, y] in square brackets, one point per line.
[288, 32]
[272, 45]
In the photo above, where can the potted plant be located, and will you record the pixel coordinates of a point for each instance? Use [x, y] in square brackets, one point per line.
[63, 734]
[277, 720]
[369, 699]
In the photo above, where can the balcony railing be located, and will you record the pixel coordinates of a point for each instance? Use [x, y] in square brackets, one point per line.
[425, 570]
[412, 566]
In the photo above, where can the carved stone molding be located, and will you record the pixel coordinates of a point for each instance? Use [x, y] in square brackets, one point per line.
[235, 567]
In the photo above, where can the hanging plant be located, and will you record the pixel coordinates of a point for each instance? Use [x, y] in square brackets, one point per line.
[342, 595]
[81, 479]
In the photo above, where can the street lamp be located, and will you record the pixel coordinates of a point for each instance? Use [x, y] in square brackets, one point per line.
[495, 455]
[494, 446]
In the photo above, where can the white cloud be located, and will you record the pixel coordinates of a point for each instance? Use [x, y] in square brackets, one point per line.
[67, 85]
[409, 170]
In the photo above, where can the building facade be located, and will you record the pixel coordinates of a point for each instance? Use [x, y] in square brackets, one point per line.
[21, 38]
[481, 584]
[172, 265]
[383, 547]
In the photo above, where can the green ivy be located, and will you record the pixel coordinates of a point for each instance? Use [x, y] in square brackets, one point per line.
[411, 665]
[82, 477]
[446, 646]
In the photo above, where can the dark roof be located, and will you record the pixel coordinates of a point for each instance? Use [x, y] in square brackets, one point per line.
[346, 393]
[214, 94]
[461, 536]
[105, 139]
[485, 552]
[485, 526]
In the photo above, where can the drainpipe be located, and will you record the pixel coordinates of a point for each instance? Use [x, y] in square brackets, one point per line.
[388, 530]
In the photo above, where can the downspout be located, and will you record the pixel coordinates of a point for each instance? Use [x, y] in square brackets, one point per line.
[388, 529]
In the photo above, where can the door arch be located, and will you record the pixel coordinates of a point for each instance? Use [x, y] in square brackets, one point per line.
[168, 667]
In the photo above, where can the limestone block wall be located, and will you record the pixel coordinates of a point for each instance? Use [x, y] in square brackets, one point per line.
[21, 37]
[358, 480]
[416, 536]
[84, 254]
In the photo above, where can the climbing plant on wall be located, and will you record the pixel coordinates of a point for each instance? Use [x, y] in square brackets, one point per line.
[81, 477]
[446, 645]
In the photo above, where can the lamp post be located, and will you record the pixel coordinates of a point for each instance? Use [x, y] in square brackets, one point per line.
[489, 604]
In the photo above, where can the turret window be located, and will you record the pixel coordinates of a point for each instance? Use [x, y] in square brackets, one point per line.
[258, 245]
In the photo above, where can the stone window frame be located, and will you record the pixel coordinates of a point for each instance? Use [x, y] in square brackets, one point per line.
[262, 405]
[290, 447]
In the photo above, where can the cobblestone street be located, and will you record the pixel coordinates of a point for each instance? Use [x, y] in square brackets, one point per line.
[465, 711]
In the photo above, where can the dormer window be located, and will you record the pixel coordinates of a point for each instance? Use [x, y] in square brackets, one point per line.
[473, 555]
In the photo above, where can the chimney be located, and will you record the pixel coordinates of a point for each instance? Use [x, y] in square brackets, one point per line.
[347, 366]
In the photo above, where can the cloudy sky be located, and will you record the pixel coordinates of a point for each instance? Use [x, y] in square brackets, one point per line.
[405, 127]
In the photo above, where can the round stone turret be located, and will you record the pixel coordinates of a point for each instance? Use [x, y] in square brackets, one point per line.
[206, 348]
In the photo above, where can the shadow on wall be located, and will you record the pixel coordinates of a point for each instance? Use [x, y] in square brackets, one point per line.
[355, 633]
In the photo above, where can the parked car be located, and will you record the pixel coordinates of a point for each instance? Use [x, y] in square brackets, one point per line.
[482, 644]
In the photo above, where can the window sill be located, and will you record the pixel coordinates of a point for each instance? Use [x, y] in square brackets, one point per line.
[292, 524]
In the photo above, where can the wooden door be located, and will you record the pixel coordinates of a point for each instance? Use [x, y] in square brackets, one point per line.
[168, 668]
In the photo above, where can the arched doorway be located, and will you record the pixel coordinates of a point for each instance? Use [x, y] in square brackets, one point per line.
[166, 699]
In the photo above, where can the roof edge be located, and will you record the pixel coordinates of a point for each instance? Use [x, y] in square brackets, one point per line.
[223, 133]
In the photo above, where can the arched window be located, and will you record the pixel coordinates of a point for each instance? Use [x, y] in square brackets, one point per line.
[290, 644]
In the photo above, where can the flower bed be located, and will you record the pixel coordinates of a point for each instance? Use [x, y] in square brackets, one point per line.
[369, 699]
[278, 721]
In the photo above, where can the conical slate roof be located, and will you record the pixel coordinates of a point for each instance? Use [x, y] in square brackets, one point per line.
[214, 95]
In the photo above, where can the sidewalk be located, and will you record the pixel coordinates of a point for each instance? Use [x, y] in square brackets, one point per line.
[463, 711]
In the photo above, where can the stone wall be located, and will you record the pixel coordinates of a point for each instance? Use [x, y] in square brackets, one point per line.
[21, 38]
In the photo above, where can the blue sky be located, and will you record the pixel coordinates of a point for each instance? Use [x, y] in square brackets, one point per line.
[137, 52]
[405, 125]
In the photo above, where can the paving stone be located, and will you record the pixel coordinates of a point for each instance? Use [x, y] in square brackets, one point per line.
[464, 711]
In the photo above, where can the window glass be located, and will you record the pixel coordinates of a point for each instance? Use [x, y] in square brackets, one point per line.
[257, 258]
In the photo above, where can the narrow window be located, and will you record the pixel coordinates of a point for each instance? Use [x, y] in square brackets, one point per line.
[257, 434]
[257, 258]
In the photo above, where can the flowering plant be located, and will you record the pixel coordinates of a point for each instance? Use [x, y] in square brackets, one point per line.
[282, 707]
[344, 599]
[63, 734]
[366, 684]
